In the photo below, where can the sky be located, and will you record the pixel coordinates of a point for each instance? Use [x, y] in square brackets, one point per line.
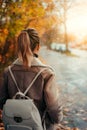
[77, 19]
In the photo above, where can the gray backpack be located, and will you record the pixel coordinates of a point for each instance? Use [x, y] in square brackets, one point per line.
[20, 113]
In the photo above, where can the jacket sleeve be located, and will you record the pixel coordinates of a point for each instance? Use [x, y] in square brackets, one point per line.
[3, 90]
[54, 109]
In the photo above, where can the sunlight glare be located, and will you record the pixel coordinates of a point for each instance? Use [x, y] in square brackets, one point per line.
[78, 26]
[77, 21]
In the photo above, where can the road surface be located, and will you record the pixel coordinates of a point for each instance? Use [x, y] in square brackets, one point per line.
[71, 77]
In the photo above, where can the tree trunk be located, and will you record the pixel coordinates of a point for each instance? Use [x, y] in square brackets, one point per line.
[66, 40]
[65, 27]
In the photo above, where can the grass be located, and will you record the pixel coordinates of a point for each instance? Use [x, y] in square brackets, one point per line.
[68, 53]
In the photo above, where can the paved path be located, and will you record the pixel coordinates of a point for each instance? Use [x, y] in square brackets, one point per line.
[71, 76]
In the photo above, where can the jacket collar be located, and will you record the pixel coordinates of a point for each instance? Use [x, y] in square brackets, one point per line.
[35, 62]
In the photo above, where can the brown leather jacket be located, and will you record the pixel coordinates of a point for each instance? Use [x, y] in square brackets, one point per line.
[44, 91]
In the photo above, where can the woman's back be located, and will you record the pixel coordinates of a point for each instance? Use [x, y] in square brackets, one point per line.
[44, 91]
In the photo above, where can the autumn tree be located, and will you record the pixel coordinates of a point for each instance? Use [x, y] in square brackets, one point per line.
[62, 8]
[16, 15]
[71, 38]
[51, 25]
[84, 40]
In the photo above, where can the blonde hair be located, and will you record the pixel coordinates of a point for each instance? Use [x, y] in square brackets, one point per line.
[27, 41]
[24, 48]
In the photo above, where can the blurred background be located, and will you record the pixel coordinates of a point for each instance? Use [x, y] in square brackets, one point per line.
[62, 27]
[62, 24]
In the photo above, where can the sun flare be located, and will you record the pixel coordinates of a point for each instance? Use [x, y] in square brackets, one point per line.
[77, 21]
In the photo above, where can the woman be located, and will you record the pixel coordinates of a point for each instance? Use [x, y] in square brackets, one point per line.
[24, 69]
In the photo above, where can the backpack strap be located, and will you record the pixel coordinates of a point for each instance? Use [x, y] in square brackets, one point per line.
[11, 73]
[34, 80]
[30, 85]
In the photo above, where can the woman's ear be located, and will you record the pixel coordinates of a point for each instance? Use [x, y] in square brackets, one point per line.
[36, 50]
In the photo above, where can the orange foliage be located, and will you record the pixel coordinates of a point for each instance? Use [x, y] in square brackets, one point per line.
[5, 31]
